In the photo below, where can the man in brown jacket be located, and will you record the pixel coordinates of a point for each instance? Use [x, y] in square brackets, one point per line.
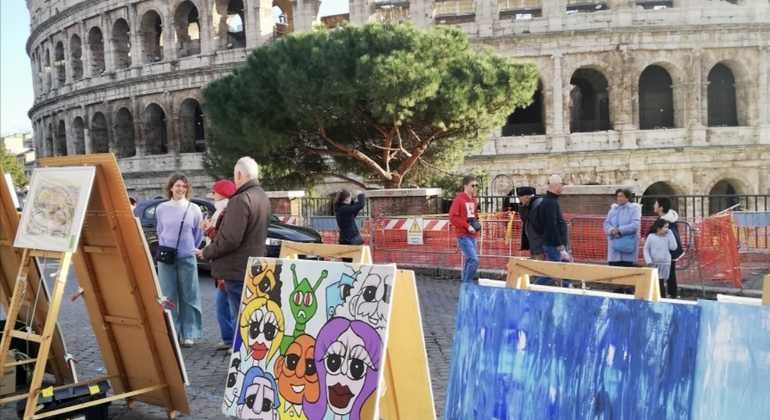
[242, 233]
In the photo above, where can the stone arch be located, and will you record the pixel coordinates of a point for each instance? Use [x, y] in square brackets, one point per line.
[230, 22]
[151, 30]
[78, 136]
[155, 132]
[192, 134]
[656, 98]
[76, 57]
[739, 184]
[659, 189]
[61, 139]
[49, 149]
[187, 29]
[530, 120]
[722, 100]
[59, 64]
[125, 145]
[121, 43]
[589, 101]
[723, 195]
[96, 48]
[100, 142]
[283, 15]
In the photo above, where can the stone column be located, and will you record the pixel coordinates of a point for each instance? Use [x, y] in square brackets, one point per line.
[134, 36]
[560, 98]
[554, 11]
[421, 13]
[764, 86]
[167, 23]
[220, 27]
[361, 11]
[305, 15]
[109, 46]
[141, 148]
[260, 23]
[206, 30]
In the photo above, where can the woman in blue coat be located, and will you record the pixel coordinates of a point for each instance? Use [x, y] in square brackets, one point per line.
[623, 220]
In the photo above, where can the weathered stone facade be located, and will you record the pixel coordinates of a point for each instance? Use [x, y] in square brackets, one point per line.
[672, 96]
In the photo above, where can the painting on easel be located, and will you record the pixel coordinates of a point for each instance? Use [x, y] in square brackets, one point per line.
[55, 208]
[310, 340]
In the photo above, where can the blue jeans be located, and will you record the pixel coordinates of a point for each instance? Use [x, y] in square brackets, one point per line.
[225, 317]
[467, 245]
[554, 255]
[179, 284]
[234, 289]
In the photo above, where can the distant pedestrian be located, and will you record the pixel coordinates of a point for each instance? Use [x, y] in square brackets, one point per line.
[463, 215]
[242, 232]
[345, 211]
[662, 208]
[178, 228]
[622, 229]
[223, 190]
[555, 229]
[132, 202]
[657, 250]
[531, 226]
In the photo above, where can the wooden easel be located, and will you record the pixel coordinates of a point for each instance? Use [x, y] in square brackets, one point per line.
[644, 279]
[408, 392]
[44, 339]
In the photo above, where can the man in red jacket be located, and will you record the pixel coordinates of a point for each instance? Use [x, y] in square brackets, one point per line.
[462, 215]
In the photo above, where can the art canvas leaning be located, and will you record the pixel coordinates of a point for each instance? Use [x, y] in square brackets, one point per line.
[55, 208]
[310, 340]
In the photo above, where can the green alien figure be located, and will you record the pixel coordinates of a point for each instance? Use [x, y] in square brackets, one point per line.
[303, 305]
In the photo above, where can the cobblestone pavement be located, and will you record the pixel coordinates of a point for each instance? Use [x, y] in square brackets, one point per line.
[207, 368]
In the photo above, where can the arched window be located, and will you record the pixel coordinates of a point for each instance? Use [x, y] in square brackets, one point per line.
[191, 132]
[79, 140]
[59, 63]
[229, 19]
[656, 99]
[124, 134]
[152, 37]
[722, 196]
[188, 38]
[99, 134]
[121, 42]
[96, 47]
[61, 140]
[658, 189]
[589, 101]
[527, 121]
[722, 107]
[155, 134]
[76, 57]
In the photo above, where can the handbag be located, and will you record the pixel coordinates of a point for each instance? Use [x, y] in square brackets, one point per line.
[167, 254]
[474, 222]
[625, 243]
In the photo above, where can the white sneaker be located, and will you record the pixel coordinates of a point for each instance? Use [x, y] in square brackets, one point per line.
[187, 342]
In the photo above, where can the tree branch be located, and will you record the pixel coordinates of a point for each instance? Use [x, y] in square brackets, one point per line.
[353, 153]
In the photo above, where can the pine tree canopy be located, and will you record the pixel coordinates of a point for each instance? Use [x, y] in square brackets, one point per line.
[379, 100]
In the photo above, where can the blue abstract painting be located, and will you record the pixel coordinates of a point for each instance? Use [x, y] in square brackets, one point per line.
[732, 375]
[535, 355]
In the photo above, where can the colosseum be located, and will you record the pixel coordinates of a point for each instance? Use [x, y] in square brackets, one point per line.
[671, 96]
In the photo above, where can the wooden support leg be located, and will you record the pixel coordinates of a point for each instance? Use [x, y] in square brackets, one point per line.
[13, 312]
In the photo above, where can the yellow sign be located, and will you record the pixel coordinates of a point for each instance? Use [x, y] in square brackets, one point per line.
[414, 233]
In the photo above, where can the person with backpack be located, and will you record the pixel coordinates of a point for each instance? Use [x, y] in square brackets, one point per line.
[662, 208]
[531, 228]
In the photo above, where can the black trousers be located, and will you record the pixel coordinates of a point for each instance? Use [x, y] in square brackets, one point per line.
[671, 286]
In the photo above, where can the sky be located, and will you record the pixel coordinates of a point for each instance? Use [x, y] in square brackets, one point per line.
[16, 94]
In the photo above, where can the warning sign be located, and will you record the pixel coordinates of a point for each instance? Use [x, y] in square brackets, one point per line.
[414, 232]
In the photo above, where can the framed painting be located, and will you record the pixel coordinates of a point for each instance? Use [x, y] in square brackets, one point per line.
[55, 208]
[310, 340]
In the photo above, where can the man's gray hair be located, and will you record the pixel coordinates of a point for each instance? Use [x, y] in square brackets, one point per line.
[247, 166]
[555, 179]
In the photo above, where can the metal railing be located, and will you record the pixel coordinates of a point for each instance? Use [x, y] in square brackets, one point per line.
[698, 206]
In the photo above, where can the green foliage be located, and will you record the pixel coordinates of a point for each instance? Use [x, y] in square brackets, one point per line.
[11, 165]
[367, 100]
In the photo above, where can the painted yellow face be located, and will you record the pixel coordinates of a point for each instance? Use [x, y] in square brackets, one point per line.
[262, 328]
[261, 279]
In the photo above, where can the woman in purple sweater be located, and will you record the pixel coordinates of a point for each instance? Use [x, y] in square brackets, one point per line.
[178, 227]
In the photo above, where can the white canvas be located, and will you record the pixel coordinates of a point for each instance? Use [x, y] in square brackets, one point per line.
[55, 208]
[310, 340]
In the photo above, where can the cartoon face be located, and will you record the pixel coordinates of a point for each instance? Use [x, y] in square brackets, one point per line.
[234, 381]
[303, 301]
[371, 302]
[259, 399]
[338, 292]
[262, 280]
[296, 372]
[261, 327]
[348, 356]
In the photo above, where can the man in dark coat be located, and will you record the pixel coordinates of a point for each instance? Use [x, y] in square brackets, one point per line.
[531, 228]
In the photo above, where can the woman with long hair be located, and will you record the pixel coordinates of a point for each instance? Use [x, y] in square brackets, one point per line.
[345, 211]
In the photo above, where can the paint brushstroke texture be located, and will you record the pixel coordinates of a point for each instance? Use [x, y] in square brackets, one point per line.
[533, 355]
[732, 377]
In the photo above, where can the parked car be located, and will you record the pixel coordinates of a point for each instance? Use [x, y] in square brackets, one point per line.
[277, 232]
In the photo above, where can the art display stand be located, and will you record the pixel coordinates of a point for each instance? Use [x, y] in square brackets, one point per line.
[408, 393]
[121, 295]
[644, 279]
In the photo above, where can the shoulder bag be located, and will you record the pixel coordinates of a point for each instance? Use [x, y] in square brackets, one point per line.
[625, 243]
[167, 254]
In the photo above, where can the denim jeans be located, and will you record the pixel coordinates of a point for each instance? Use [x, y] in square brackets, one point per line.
[554, 255]
[179, 284]
[225, 317]
[234, 289]
[467, 245]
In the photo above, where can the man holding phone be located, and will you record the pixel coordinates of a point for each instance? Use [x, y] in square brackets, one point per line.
[463, 215]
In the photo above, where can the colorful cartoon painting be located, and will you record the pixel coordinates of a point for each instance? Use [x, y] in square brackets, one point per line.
[292, 360]
[55, 208]
[539, 355]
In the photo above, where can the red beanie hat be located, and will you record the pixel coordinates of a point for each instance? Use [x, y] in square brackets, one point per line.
[224, 187]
